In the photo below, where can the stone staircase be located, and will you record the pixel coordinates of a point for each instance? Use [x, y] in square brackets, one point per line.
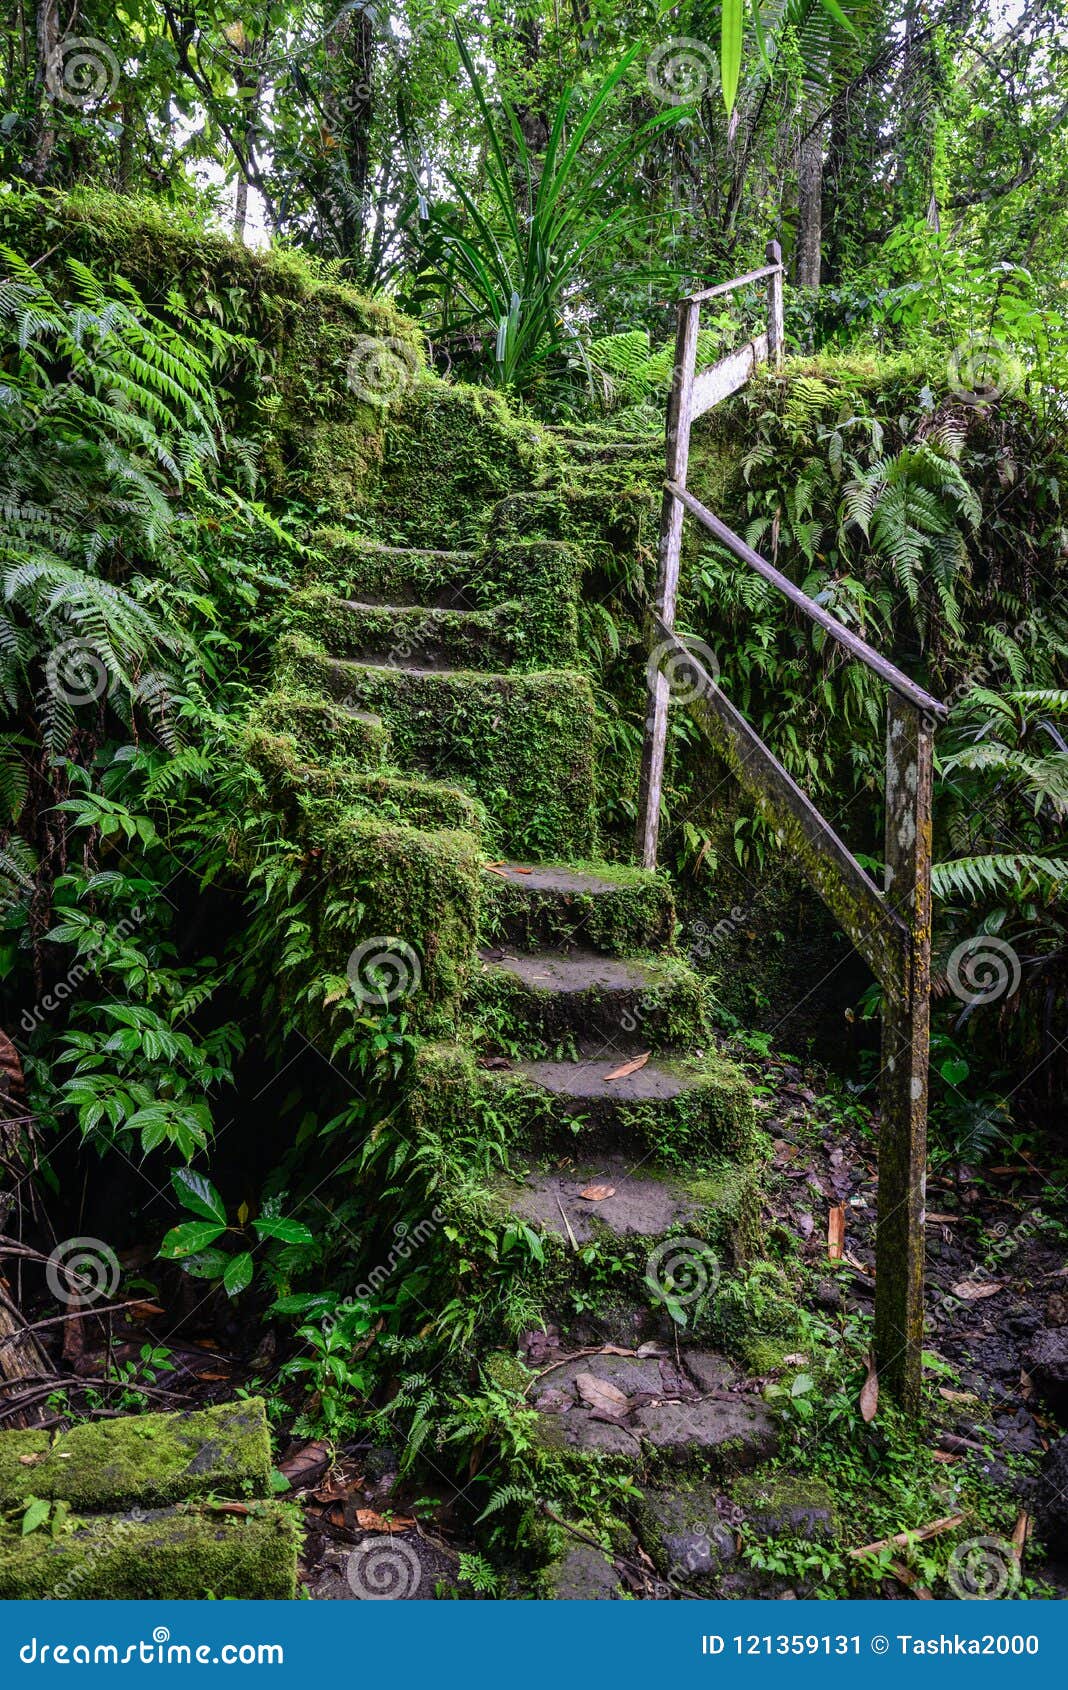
[434, 731]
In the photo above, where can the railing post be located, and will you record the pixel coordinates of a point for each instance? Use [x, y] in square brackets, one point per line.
[776, 333]
[899, 1246]
[677, 454]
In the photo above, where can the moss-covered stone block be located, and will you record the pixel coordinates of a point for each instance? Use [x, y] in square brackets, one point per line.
[538, 1003]
[174, 1554]
[503, 636]
[781, 1505]
[325, 730]
[707, 1115]
[523, 743]
[612, 907]
[406, 893]
[151, 1459]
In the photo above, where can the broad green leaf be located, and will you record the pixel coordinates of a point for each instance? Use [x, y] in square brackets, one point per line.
[290, 1232]
[730, 49]
[238, 1274]
[188, 1239]
[36, 1514]
[197, 1193]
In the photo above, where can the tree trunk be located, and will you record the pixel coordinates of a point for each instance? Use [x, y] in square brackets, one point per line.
[809, 209]
[47, 42]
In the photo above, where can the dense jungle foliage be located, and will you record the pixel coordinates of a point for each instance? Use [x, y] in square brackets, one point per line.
[391, 269]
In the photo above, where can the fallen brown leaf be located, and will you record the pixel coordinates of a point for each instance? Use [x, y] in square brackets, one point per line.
[956, 1396]
[629, 1067]
[598, 1193]
[869, 1394]
[306, 1465]
[599, 1393]
[972, 1290]
[836, 1232]
[369, 1521]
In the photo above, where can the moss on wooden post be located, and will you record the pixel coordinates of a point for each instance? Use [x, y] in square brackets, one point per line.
[906, 1031]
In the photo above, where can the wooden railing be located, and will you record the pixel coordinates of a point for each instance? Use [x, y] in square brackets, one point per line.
[890, 927]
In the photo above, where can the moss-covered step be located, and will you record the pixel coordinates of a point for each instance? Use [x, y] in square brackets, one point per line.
[538, 1001]
[150, 1459]
[324, 730]
[355, 567]
[715, 1213]
[609, 906]
[522, 742]
[503, 636]
[323, 794]
[171, 1554]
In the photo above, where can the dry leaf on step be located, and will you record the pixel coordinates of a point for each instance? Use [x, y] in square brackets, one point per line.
[629, 1067]
[971, 1290]
[836, 1232]
[517, 870]
[869, 1394]
[369, 1521]
[598, 1193]
[598, 1393]
[956, 1396]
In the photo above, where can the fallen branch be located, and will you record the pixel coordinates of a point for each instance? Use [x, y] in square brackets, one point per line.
[901, 1540]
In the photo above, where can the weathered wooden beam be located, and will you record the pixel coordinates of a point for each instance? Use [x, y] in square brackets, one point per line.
[728, 375]
[677, 456]
[856, 647]
[776, 331]
[899, 1242]
[851, 896]
[772, 268]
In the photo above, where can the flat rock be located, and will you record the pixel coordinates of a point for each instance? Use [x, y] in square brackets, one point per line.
[709, 1372]
[1047, 1364]
[584, 1080]
[734, 1434]
[549, 878]
[639, 1207]
[684, 1534]
[787, 1507]
[633, 1376]
[574, 971]
[577, 1430]
[583, 1575]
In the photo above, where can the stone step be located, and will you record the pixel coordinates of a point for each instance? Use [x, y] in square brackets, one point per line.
[502, 636]
[694, 1416]
[611, 907]
[135, 1509]
[523, 743]
[169, 1554]
[698, 1108]
[324, 730]
[355, 567]
[544, 1000]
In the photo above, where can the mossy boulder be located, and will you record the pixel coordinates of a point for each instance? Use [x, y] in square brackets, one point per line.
[152, 1459]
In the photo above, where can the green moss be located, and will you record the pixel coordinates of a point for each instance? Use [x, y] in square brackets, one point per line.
[631, 910]
[323, 729]
[711, 1118]
[173, 1555]
[524, 743]
[150, 1459]
[787, 1505]
[664, 1008]
[501, 637]
[385, 881]
[505, 1373]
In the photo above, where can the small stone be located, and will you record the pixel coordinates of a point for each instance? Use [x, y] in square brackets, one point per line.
[738, 1433]
[1047, 1364]
[583, 1575]
[710, 1372]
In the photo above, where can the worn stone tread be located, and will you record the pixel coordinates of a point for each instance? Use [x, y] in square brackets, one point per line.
[642, 1206]
[573, 971]
[585, 1080]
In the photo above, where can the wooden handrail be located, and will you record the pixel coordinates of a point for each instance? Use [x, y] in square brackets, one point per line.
[890, 927]
[856, 647]
[738, 282]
